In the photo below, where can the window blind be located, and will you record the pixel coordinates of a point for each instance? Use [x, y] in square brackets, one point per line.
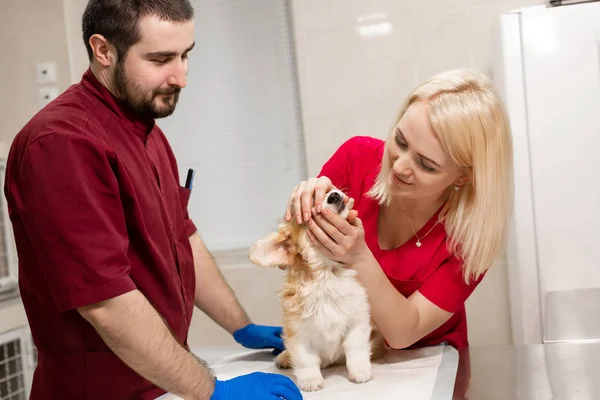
[238, 121]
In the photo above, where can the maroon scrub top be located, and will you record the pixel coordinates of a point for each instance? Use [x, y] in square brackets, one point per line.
[97, 211]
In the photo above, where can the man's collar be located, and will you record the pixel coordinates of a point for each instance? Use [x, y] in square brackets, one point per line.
[140, 126]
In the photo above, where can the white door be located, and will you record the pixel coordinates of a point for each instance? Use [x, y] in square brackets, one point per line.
[558, 151]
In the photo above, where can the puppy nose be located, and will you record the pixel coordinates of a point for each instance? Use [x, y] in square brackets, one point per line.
[334, 197]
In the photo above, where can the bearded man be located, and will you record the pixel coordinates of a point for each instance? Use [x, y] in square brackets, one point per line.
[110, 264]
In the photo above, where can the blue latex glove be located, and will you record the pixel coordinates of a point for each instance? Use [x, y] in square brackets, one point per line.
[260, 337]
[257, 386]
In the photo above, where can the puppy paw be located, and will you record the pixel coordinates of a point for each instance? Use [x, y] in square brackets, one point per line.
[310, 380]
[360, 373]
[311, 385]
[283, 360]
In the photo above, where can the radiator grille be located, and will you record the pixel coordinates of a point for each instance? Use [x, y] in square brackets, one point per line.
[12, 372]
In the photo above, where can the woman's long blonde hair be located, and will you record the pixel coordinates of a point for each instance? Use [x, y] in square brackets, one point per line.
[471, 123]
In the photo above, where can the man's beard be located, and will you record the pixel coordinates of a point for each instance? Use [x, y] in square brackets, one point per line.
[160, 103]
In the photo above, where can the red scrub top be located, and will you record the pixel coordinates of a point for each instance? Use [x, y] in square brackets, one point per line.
[97, 211]
[430, 269]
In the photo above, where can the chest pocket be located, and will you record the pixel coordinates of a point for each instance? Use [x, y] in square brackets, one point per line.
[184, 198]
[183, 252]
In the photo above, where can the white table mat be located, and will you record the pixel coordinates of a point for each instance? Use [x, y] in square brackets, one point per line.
[420, 374]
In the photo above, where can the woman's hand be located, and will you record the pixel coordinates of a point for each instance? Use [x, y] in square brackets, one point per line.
[339, 239]
[301, 201]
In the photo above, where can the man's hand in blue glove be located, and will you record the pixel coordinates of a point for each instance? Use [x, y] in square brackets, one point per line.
[257, 386]
[260, 337]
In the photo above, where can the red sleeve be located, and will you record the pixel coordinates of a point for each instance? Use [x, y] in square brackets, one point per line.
[446, 287]
[338, 168]
[67, 195]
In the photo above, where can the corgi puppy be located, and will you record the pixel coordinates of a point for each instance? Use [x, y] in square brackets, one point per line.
[326, 312]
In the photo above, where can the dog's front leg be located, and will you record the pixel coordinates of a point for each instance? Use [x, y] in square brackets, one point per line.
[306, 364]
[357, 347]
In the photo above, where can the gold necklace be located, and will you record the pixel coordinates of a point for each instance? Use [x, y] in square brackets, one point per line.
[418, 243]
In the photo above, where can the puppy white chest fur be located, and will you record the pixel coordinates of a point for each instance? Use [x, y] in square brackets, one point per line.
[333, 305]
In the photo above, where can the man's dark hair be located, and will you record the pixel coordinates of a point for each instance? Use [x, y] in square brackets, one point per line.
[118, 20]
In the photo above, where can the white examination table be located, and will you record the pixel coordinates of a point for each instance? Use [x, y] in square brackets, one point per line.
[420, 374]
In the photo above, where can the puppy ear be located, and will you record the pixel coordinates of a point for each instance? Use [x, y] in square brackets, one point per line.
[270, 251]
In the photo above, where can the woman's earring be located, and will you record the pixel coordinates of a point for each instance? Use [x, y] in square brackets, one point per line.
[456, 187]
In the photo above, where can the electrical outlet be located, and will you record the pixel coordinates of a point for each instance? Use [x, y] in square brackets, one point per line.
[45, 72]
[47, 94]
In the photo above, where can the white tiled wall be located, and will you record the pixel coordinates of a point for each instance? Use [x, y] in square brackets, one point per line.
[352, 84]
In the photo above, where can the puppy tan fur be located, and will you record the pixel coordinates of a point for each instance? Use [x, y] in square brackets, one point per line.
[326, 312]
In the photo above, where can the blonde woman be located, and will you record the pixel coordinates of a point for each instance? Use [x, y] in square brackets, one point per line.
[432, 204]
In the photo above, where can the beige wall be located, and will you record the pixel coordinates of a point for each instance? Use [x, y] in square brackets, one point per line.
[349, 84]
[78, 59]
[12, 315]
[43, 40]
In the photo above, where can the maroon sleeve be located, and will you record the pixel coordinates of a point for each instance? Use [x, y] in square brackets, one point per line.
[447, 288]
[67, 195]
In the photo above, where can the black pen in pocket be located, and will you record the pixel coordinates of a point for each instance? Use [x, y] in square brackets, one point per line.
[189, 181]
